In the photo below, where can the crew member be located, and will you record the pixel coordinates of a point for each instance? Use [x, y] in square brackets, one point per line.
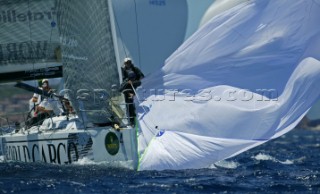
[132, 76]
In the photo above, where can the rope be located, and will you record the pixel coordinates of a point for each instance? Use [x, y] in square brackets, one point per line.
[151, 119]
[120, 35]
[139, 51]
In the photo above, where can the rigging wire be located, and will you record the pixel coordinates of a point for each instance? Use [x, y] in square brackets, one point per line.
[138, 37]
[124, 49]
[140, 65]
[139, 59]
[145, 111]
[120, 35]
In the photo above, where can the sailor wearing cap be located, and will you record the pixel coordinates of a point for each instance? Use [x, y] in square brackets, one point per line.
[43, 107]
[44, 86]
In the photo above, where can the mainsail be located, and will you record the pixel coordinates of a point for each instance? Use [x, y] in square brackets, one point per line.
[246, 77]
[29, 43]
[90, 68]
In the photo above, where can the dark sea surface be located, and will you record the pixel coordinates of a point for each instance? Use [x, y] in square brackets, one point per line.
[289, 164]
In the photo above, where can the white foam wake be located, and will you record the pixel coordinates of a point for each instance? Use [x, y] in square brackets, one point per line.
[261, 156]
[225, 164]
[1, 158]
[114, 164]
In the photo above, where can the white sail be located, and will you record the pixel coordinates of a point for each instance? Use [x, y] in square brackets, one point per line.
[247, 76]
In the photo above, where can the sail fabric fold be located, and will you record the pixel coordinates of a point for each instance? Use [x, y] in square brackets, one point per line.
[188, 150]
[247, 76]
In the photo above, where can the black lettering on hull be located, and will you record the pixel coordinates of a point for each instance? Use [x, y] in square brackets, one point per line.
[26, 153]
[33, 152]
[43, 156]
[60, 150]
[52, 153]
[72, 151]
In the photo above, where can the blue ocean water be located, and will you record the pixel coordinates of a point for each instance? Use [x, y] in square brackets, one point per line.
[289, 164]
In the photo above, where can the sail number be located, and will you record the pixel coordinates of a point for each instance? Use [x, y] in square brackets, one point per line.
[70, 42]
[157, 2]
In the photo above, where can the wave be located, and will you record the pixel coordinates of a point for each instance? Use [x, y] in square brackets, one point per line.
[227, 164]
[114, 164]
[265, 157]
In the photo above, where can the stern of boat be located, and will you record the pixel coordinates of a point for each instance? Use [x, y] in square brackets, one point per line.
[115, 147]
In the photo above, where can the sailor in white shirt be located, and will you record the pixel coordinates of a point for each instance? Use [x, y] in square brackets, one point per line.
[37, 99]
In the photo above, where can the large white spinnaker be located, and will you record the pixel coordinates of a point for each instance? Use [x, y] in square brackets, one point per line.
[244, 78]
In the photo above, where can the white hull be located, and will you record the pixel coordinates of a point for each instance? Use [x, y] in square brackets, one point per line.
[70, 144]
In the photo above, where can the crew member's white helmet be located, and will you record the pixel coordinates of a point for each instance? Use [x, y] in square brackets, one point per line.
[127, 59]
[45, 80]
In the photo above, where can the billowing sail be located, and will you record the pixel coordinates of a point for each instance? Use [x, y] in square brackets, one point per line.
[150, 30]
[90, 69]
[29, 43]
[247, 76]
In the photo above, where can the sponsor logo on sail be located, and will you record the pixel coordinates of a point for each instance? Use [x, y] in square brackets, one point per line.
[12, 16]
[160, 133]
